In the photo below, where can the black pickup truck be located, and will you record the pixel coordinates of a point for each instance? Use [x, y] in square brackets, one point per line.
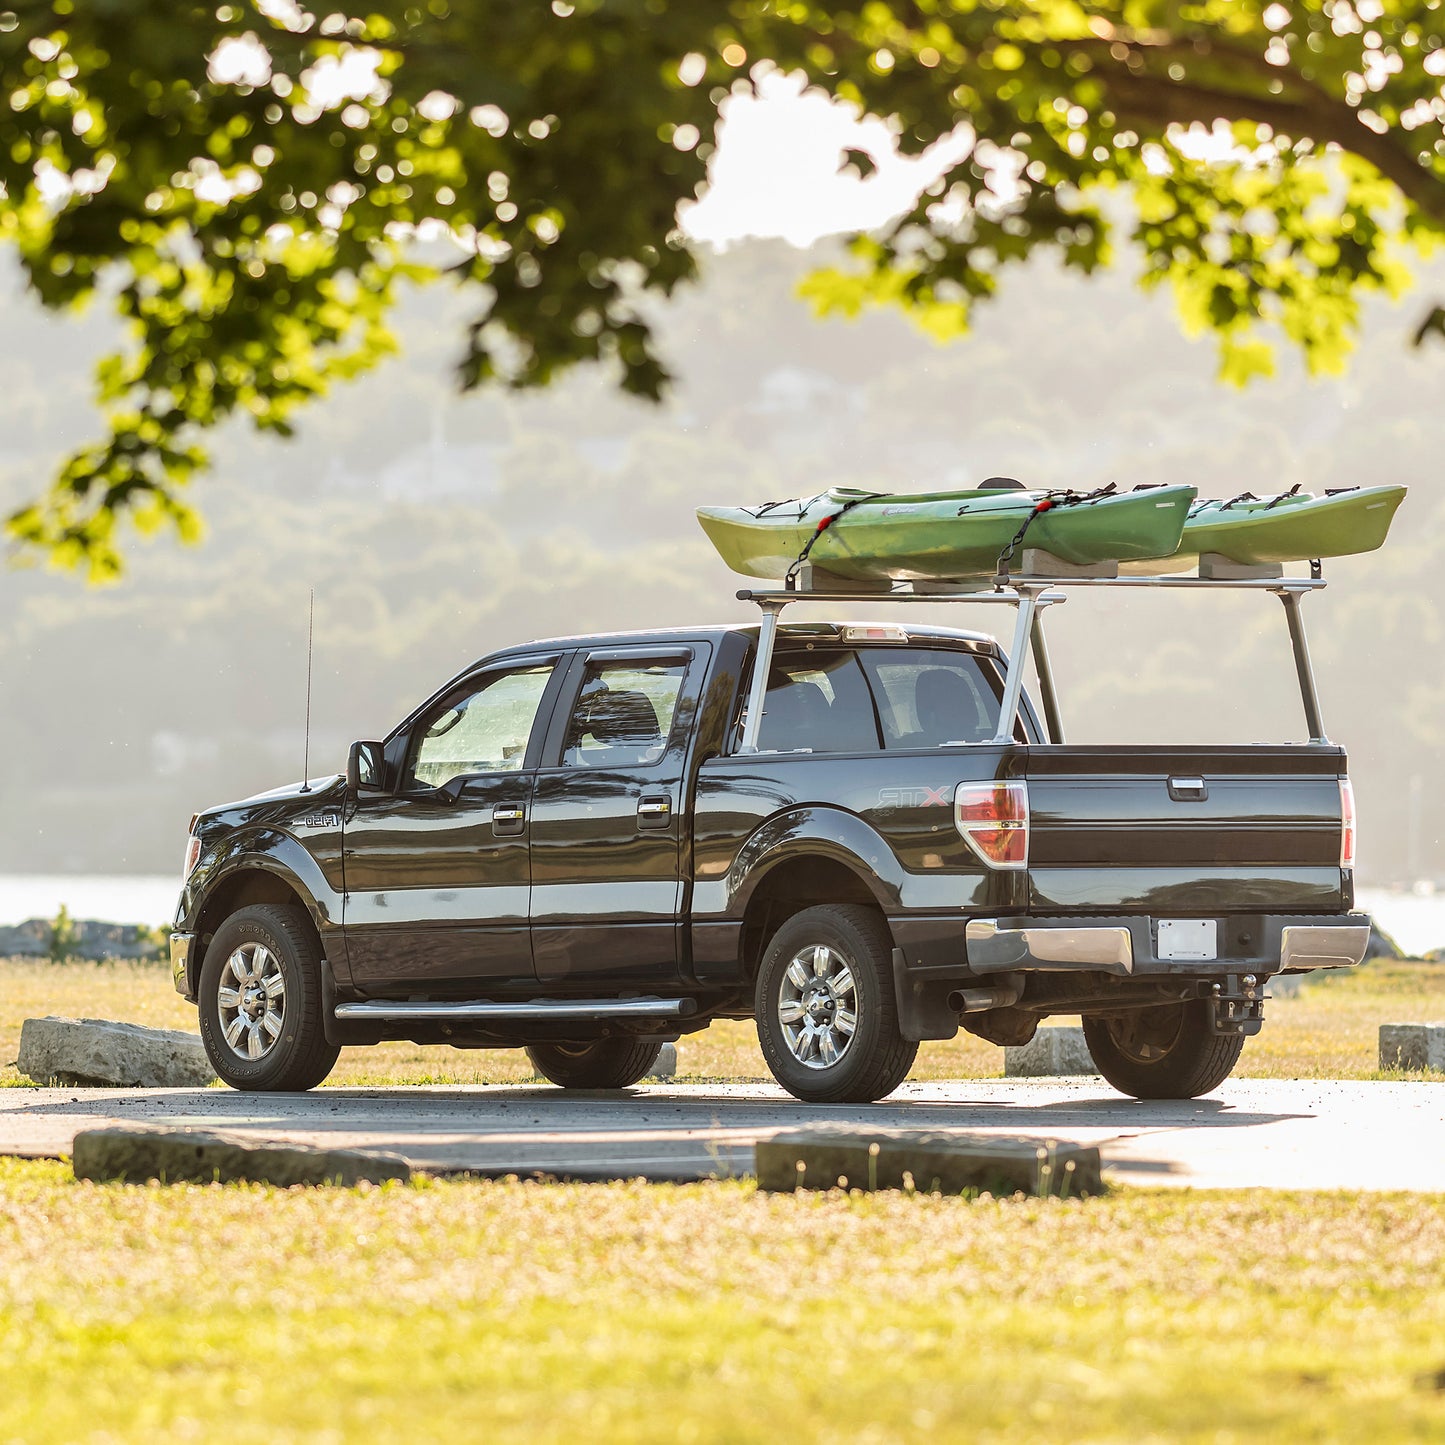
[591, 845]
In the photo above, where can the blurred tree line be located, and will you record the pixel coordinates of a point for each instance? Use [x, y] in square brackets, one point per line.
[435, 528]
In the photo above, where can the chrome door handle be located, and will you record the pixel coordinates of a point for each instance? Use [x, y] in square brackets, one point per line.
[654, 812]
[508, 819]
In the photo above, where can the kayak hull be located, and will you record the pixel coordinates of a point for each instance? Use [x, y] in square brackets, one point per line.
[943, 536]
[1292, 529]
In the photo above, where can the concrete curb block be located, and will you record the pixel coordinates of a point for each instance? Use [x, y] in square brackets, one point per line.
[101, 1052]
[829, 1158]
[666, 1065]
[1412, 1046]
[1055, 1051]
[136, 1155]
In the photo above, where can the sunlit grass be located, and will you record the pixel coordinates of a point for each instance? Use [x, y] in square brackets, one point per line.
[713, 1313]
[1330, 1030]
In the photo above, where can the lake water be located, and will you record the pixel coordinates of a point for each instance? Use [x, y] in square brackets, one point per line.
[148, 898]
[1415, 921]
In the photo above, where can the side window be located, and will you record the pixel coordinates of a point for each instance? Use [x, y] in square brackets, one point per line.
[818, 703]
[623, 714]
[928, 697]
[485, 731]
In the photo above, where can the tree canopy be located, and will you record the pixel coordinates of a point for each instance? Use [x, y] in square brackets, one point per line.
[250, 183]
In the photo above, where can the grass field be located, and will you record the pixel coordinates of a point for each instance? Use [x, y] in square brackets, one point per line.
[507, 1311]
[1328, 1031]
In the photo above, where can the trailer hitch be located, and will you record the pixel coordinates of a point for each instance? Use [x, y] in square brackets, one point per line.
[1236, 1004]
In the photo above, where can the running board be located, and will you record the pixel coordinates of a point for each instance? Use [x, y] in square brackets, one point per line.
[533, 1009]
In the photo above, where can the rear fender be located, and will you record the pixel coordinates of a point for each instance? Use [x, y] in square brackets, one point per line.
[815, 832]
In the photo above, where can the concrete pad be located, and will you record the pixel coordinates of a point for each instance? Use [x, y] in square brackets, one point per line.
[1412, 1046]
[1250, 1133]
[135, 1155]
[928, 1161]
[1056, 1051]
[99, 1052]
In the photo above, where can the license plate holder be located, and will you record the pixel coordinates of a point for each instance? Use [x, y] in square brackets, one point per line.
[1189, 939]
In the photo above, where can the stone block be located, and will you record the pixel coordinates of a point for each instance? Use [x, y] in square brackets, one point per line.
[133, 1154]
[666, 1065]
[1054, 1050]
[97, 1051]
[1412, 1046]
[824, 1157]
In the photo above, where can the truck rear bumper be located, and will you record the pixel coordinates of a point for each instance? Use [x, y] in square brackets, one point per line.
[1270, 944]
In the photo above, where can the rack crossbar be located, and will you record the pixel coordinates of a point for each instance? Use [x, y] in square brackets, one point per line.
[1030, 595]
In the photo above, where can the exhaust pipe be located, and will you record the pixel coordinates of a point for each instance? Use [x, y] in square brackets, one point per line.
[978, 1000]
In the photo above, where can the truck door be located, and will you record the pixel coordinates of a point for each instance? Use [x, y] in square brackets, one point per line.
[609, 817]
[438, 870]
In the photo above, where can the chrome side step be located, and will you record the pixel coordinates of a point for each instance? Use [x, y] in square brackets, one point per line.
[532, 1009]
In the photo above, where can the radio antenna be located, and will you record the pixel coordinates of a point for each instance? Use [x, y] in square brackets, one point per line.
[306, 746]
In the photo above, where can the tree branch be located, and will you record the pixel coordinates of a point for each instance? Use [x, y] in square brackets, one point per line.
[1145, 97]
[1311, 112]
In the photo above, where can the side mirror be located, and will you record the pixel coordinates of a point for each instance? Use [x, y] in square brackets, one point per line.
[365, 767]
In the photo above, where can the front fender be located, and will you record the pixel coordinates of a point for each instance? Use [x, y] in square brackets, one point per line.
[816, 832]
[271, 851]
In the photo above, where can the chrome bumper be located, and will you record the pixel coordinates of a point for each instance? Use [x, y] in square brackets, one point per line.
[1126, 946]
[181, 945]
[1312, 946]
[992, 949]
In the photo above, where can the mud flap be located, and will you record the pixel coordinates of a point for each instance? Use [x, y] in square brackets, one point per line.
[923, 1011]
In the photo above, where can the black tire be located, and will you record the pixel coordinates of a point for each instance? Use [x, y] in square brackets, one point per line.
[1169, 1052]
[875, 1058]
[601, 1064]
[295, 1055]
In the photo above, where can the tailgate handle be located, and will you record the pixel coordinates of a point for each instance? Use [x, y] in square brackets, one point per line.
[1188, 790]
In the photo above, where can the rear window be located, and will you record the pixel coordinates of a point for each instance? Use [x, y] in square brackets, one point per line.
[931, 696]
[818, 703]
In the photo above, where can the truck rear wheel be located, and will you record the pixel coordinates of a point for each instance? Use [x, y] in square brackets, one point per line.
[1169, 1052]
[826, 1014]
[260, 1002]
[601, 1064]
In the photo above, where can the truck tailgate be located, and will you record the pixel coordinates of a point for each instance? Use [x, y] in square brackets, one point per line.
[1194, 830]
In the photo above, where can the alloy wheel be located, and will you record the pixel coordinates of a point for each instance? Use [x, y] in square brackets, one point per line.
[251, 1001]
[818, 1006]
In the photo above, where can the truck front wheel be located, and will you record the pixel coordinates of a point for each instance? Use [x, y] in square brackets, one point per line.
[1168, 1052]
[260, 1002]
[826, 1014]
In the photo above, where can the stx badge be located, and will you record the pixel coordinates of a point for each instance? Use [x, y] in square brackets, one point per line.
[914, 797]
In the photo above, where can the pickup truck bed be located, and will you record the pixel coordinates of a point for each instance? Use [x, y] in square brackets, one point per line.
[589, 845]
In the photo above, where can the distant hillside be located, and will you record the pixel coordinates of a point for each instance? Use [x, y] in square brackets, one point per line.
[435, 527]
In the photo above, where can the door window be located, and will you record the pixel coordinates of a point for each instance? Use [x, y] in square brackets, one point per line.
[818, 703]
[623, 714]
[485, 731]
[931, 696]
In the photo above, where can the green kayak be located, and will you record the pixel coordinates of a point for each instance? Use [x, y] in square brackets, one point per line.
[1293, 527]
[944, 536]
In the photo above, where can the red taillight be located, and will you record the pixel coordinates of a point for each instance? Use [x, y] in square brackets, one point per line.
[1347, 824]
[994, 821]
[193, 856]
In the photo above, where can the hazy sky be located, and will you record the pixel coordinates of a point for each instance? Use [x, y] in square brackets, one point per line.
[776, 169]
